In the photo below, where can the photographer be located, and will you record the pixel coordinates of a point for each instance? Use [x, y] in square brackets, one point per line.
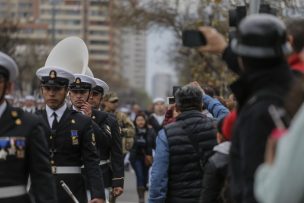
[259, 57]
[175, 150]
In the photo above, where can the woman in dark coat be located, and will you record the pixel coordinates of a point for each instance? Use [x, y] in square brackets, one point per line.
[141, 153]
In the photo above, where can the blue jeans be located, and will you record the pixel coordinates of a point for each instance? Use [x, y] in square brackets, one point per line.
[141, 171]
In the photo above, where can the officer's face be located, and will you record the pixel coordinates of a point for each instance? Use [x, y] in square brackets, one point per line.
[95, 99]
[79, 97]
[54, 96]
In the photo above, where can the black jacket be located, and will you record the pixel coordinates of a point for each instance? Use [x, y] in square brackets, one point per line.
[22, 133]
[110, 148]
[185, 172]
[143, 143]
[73, 145]
[255, 92]
[215, 174]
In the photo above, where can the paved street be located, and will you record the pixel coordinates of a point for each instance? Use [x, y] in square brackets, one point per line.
[130, 194]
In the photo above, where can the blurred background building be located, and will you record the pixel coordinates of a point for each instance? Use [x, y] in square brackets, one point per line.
[49, 21]
[134, 46]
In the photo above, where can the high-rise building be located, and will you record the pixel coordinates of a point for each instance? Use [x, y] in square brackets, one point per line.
[53, 20]
[25, 13]
[89, 20]
[133, 45]
[162, 84]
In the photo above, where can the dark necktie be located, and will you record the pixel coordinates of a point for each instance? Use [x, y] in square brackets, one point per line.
[55, 121]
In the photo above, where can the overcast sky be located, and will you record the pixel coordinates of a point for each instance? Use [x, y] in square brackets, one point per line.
[158, 44]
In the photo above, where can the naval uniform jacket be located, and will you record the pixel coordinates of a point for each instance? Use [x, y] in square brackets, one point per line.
[110, 148]
[72, 145]
[24, 151]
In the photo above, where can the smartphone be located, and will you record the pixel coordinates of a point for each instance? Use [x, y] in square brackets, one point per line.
[193, 38]
[170, 100]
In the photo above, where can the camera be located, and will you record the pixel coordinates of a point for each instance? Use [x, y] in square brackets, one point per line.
[171, 100]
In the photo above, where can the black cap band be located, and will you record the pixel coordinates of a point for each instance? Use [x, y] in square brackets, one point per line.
[80, 86]
[99, 89]
[54, 81]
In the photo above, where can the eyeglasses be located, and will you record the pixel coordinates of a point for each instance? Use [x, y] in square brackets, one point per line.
[53, 88]
[82, 91]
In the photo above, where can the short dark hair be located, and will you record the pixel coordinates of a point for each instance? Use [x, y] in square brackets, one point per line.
[4, 72]
[295, 28]
[188, 98]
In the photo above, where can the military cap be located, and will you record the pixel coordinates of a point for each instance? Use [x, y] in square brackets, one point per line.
[54, 76]
[101, 86]
[82, 82]
[8, 67]
[158, 99]
[111, 96]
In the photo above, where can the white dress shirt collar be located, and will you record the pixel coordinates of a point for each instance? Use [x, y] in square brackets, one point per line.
[59, 113]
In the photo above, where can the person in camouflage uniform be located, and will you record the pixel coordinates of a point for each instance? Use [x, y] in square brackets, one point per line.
[110, 104]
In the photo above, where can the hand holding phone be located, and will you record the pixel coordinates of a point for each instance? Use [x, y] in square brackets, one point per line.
[193, 38]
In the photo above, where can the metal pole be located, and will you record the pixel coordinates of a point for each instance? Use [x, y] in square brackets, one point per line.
[254, 6]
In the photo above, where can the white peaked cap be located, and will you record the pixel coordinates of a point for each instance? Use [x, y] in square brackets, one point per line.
[60, 73]
[158, 99]
[70, 54]
[30, 97]
[8, 63]
[102, 84]
[86, 79]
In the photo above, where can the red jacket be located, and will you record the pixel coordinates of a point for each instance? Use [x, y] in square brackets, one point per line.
[295, 63]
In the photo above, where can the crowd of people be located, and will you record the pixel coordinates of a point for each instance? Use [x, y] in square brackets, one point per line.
[74, 143]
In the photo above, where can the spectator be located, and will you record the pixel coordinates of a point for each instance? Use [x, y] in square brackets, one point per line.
[260, 49]
[295, 29]
[157, 117]
[182, 147]
[216, 169]
[127, 128]
[29, 104]
[212, 105]
[171, 115]
[141, 154]
[280, 178]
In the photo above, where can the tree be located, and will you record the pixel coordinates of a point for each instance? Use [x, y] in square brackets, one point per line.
[28, 55]
[179, 15]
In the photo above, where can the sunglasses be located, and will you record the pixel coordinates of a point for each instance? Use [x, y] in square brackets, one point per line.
[113, 102]
[53, 88]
